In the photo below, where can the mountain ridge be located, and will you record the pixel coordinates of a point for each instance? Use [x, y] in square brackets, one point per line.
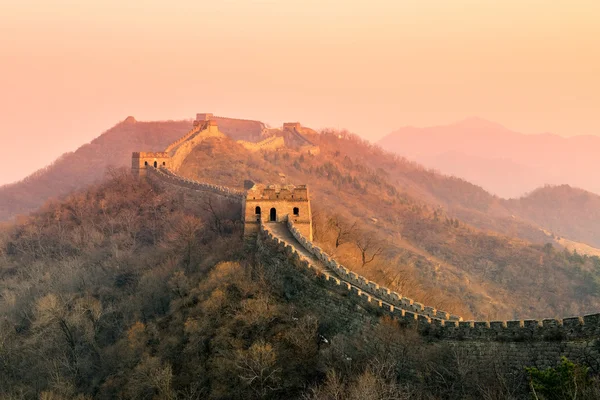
[548, 158]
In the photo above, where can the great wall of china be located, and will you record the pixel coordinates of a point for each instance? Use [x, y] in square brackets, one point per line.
[521, 342]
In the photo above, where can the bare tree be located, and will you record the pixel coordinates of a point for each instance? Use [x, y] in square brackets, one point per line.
[343, 230]
[216, 215]
[185, 235]
[257, 368]
[369, 247]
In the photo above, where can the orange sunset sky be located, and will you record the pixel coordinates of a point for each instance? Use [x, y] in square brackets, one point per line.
[71, 69]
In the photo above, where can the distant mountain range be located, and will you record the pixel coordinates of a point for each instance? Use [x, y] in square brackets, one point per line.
[506, 163]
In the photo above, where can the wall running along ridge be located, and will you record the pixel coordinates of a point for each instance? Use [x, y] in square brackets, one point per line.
[395, 300]
[180, 151]
[272, 143]
[453, 326]
[165, 175]
[294, 128]
[539, 343]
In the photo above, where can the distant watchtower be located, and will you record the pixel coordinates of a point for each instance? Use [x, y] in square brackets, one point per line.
[272, 203]
[202, 117]
[292, 126]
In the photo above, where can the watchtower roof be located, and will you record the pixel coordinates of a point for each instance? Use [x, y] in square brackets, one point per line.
[278, 192]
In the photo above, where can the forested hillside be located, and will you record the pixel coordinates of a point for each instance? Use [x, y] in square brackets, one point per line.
[123, 291]
[563, 210]
[421, 250]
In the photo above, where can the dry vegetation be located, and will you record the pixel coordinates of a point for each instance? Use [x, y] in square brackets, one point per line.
[423, 251]
[122, 292]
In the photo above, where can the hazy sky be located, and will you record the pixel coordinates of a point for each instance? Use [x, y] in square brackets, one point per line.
[71, 69]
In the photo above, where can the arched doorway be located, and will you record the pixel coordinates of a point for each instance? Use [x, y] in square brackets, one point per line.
[155, 164]
[257, 212]
[273, 215]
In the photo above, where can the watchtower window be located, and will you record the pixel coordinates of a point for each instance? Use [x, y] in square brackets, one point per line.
[257, 210]
[296, 211]
[273, 216]
[155, 164]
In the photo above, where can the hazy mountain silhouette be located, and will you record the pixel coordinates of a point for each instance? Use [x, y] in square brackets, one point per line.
[502, 161]
[76, 170]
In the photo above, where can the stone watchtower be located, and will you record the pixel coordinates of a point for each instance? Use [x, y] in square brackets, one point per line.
[141, 161]
[273, 203]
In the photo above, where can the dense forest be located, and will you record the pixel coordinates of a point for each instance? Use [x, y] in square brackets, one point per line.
[123, 291]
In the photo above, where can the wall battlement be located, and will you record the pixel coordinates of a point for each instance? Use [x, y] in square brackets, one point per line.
[170, 177]
[271, 143]
[197, 128]
[452, 329]
[385, 295]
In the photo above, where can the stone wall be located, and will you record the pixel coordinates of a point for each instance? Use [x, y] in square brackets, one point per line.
[184, 147]
[395, 300]
[240, 129]
[185, 137]
[166, 176]
[295, 128]
[272, 143]
[539, 343]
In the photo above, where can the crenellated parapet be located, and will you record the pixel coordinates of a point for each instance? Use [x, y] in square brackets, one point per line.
[271, 143]
[395, 300]
[195, 130]
[437, 324]
[166, 175]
